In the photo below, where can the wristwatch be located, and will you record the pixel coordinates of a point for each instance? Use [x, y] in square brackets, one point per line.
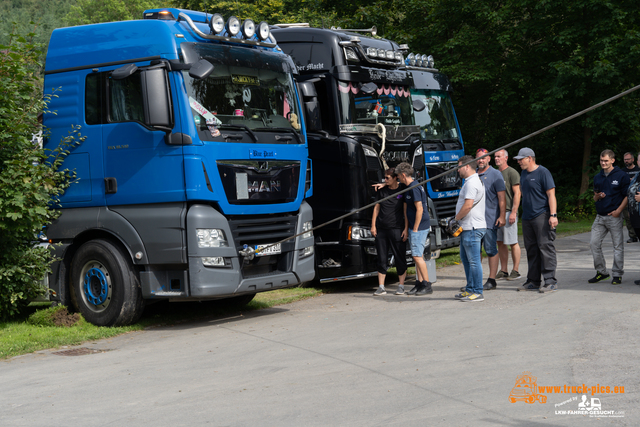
[554, 215]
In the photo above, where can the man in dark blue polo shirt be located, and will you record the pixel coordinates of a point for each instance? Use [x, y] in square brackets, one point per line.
[610, 194]
[539, 222]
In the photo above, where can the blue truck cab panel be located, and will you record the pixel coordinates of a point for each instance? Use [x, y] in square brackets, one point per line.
[195, 150]
[441, 143]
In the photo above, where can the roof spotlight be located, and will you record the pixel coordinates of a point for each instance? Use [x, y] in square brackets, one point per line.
[431, 62]
[216, 24]
[248, 28]
[412, 59]
[263, 31]
[425, 61]
[233, 26]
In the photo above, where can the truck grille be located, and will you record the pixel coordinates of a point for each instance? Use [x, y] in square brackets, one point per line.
[262, 230]
[445, 207]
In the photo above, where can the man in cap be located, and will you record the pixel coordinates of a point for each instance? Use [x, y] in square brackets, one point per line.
[539, 222]
[495, 208]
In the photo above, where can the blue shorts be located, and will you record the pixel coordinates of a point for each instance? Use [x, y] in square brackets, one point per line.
[489, 241]
[418, 241]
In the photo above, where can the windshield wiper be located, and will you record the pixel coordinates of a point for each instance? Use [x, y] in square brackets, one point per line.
[280, 130]
[240, 127]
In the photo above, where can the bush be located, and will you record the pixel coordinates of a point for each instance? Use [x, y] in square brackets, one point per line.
[54, 316]
[30, 179]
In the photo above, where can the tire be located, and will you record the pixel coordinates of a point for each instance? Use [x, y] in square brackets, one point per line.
[105, 288]
[542, 399]
[239, 301]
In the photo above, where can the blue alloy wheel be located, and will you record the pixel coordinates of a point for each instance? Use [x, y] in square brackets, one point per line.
[97, 287]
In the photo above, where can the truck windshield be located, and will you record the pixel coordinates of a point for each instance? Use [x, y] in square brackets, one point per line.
[389, 104]
[437, 120]
[253, 100]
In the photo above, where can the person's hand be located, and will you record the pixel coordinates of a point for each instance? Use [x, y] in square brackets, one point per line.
[500, 222]
[376, 187]
[637, 196]
[615, 213]
[599, 196]
[553, 222]
[374, 231]
[405, 235]
[512, 218]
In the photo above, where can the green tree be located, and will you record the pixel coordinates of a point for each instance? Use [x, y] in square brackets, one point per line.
[96, 11]
[29, 177]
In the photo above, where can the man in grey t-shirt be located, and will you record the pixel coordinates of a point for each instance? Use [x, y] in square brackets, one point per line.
[494, 212]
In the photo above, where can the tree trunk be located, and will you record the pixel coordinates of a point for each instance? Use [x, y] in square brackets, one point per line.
[584, 185]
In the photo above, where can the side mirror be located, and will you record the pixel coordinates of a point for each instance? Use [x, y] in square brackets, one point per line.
[311, 106]
[418, 105]
[369, 88]
[201, 69]
[156, 95]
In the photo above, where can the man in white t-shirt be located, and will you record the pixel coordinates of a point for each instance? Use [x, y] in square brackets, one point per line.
[470, 214]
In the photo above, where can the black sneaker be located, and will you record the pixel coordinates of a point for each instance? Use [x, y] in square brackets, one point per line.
[414, 289]
[425, 289]
[489, 285]
[632, 240]
[529, 286]
[599, 277]
[636, 282]
[617, 280]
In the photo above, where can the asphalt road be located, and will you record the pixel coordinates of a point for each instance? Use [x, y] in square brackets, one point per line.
[353, 359]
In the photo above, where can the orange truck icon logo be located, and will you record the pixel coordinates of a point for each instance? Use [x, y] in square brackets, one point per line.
[526, 389]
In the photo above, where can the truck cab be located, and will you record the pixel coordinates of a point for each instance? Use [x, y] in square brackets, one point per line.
[192, 180]
[364, 110]
[441, 143]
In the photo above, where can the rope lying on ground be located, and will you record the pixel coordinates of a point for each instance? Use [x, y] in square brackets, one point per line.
[247, 251]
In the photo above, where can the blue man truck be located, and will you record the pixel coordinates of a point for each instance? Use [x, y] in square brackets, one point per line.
[194, 169]
[441, 141]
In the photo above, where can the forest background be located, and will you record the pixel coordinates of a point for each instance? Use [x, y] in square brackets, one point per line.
[516, 65]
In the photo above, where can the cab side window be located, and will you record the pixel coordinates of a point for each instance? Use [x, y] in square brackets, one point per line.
[124, 101]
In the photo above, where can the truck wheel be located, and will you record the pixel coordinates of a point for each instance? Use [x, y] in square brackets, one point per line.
[239, 301]
[104, 286]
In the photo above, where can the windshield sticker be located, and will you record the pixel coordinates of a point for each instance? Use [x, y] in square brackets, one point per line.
[212, 128]
[203, 111]
[245, 80]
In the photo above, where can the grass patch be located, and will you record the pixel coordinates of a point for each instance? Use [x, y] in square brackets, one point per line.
[42, 327]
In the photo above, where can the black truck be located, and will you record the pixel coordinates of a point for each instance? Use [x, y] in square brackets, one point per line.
[364, 122]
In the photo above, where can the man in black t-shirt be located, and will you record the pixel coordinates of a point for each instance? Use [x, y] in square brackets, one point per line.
[632, 170]
[388, 226]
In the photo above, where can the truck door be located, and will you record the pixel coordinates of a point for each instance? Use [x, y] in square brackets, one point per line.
[140, 167]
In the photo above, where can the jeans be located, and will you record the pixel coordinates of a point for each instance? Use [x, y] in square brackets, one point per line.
[602, 225]
[541, 251]
[470, 254]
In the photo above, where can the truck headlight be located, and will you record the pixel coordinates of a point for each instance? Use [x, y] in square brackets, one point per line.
[305, 228]
[211, 238]
[305, 252]
[215, 261]
[359, 233]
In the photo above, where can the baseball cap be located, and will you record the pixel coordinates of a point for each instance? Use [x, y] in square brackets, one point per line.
[525, 152]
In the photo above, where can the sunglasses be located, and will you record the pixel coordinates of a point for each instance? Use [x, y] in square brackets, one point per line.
[389, 176]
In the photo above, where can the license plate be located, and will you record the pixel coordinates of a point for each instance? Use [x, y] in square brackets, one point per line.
[268, 249]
